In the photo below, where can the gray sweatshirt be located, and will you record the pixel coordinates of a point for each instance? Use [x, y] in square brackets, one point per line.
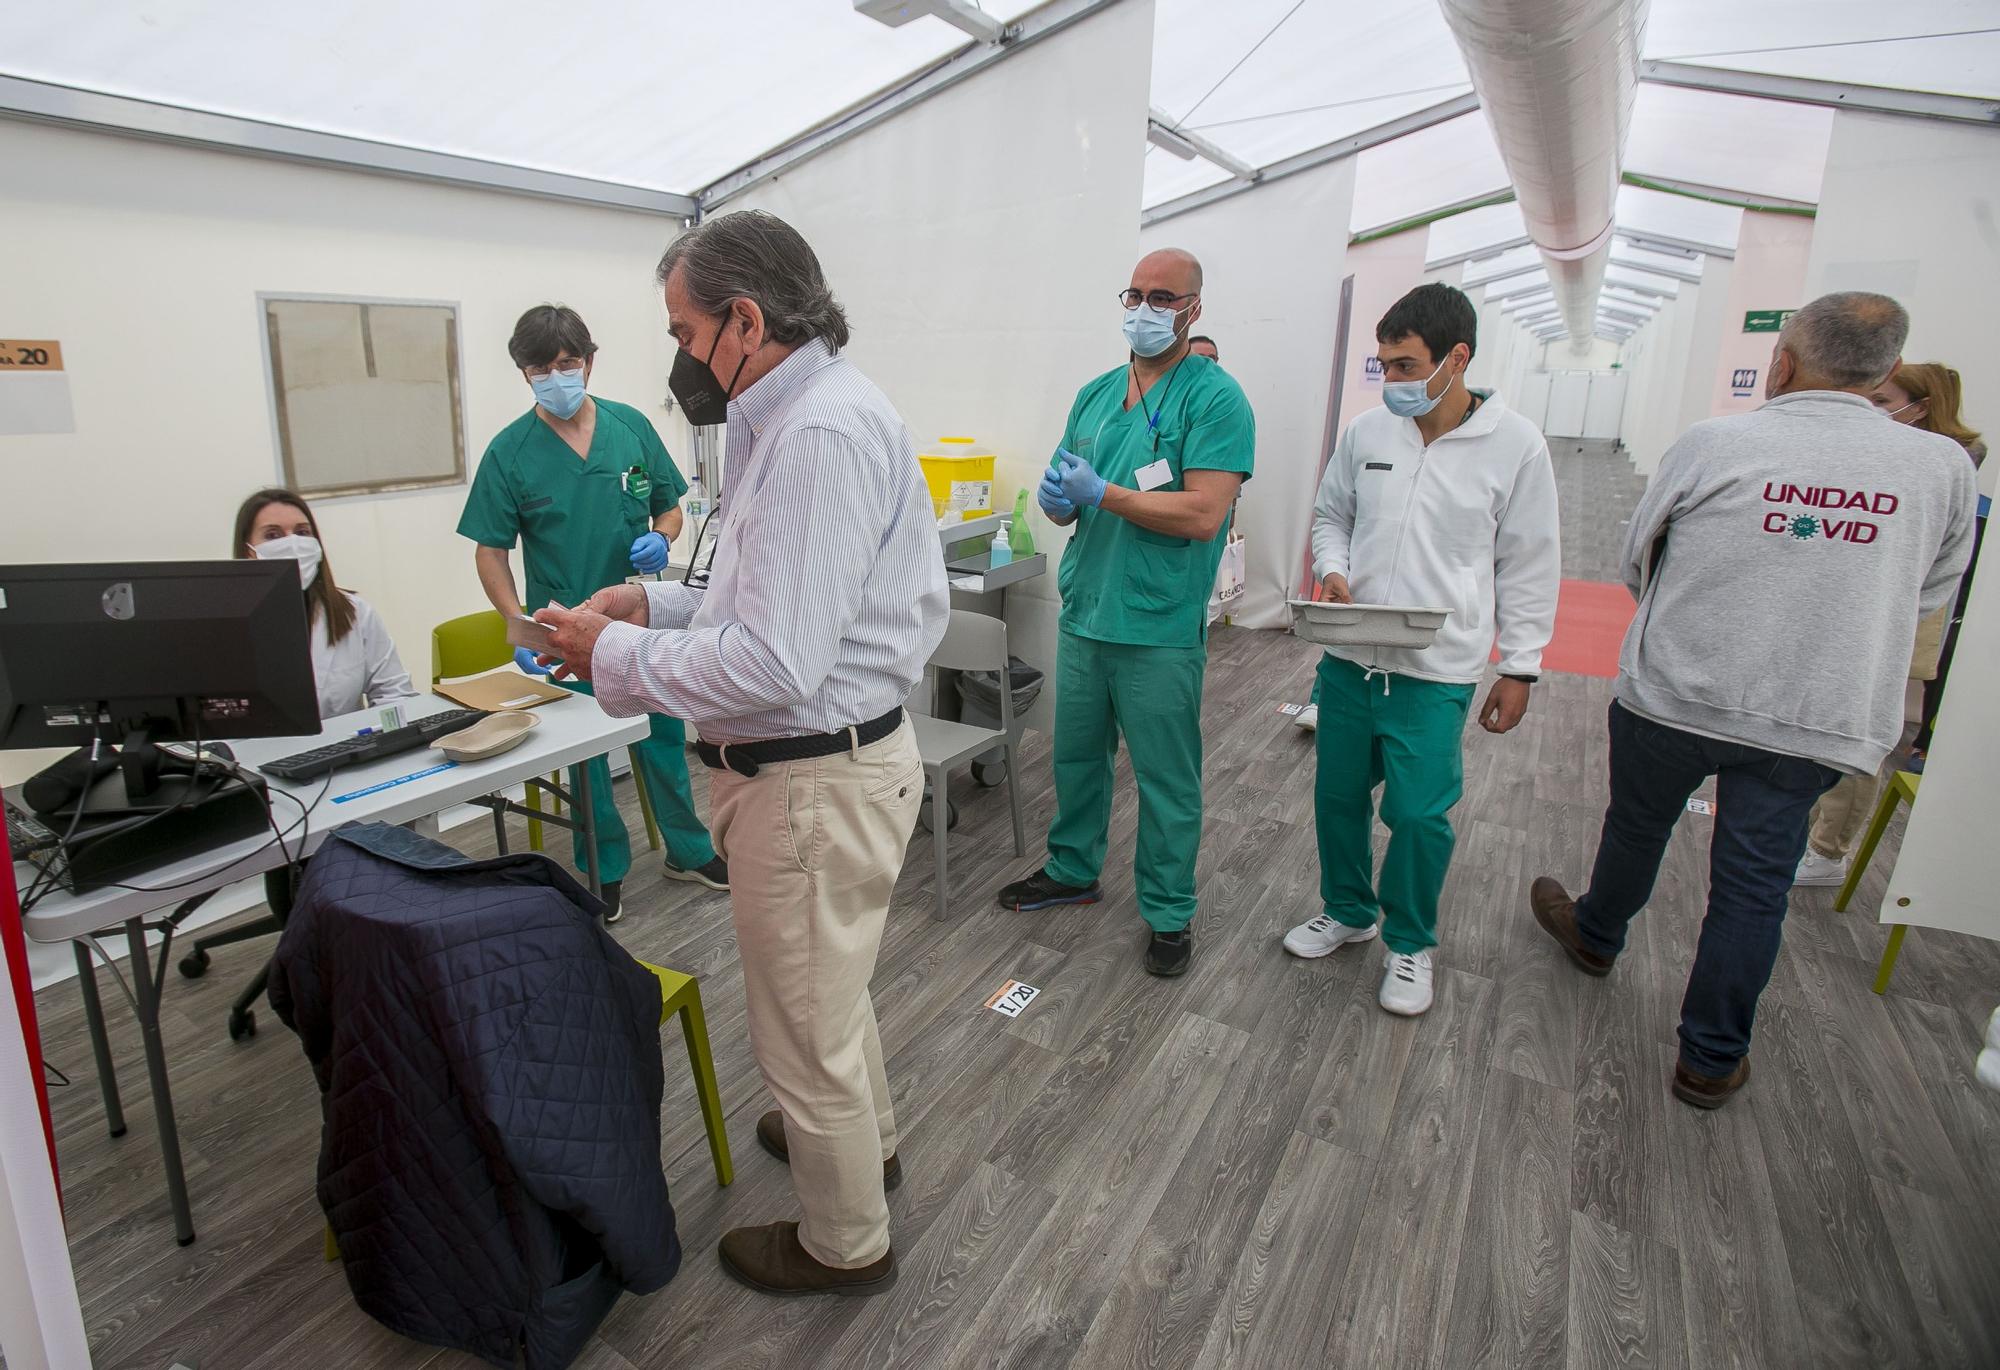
[1800, 545]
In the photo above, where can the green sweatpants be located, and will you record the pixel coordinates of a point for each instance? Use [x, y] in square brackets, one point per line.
[661, 759]
[1154, 695]
[1405, 735]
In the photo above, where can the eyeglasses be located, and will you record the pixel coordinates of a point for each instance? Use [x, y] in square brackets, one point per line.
[1159, 299]
[541, 373]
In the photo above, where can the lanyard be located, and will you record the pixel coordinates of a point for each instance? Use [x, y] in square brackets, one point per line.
[1153, 418]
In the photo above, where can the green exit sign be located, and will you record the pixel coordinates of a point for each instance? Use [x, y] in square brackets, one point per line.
[1766, 320]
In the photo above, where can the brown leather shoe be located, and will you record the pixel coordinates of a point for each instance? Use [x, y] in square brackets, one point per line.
[1709, 1091]
[771, 1136]
[1556, 912]
[771, 1259]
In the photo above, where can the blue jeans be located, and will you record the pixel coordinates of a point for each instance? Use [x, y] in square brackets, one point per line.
[1763, 805]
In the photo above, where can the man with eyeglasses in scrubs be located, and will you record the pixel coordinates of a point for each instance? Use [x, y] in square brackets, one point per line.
[1151, 460]
[585, 485]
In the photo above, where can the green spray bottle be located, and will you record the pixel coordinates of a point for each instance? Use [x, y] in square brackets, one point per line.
[1020, 538]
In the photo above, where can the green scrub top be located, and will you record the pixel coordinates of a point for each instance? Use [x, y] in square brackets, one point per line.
[1123, 583]
[576, 520]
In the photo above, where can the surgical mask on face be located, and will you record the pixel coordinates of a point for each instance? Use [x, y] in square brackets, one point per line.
[1150, 330]
[1412, 399]
[1890, 414]
[697, 390]
[559, 392]
[298, 545]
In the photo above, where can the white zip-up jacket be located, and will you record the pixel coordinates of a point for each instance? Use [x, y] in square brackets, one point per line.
[1468, 523]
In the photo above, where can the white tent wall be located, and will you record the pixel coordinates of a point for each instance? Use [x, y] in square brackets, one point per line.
[1658, 356]
[1704, 350]
[1384, 271]
[1908, 209]
[147, 266]
[1770, 273]
[1273, 262]
[978, 242]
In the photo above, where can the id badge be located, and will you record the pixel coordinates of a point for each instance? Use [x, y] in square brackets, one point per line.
[1154, 475]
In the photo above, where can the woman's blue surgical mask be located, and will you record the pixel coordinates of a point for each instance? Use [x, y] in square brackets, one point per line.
[1150, 330]
[1412, 399]
[559, 392]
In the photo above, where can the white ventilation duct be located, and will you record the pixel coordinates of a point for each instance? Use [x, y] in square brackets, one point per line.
[1557, 79]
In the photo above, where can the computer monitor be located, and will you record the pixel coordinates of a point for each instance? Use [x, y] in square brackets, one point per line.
[134, 653]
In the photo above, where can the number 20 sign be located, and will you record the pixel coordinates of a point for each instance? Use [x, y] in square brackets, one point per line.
[1012, 998]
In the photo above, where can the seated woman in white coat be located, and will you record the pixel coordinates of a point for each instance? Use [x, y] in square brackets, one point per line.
[355, 665]
[354, 660]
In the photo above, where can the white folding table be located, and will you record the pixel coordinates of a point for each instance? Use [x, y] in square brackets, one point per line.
[570, 731]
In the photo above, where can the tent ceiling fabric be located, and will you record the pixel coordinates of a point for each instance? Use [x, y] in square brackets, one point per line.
[637, 101]
[637, 95]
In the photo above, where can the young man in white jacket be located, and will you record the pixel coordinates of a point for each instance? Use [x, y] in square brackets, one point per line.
[1442, 498]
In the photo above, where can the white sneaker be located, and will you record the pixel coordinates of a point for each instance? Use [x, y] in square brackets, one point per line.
[1307, 718]
[1324, 935]
[1406, 984]
[1816, 870]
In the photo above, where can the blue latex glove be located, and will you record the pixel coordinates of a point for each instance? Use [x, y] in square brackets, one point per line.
[649, 554]
[525, 659]
[1049, 494]
[1081, 486]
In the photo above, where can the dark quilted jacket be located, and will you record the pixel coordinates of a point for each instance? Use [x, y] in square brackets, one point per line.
[489, 1069]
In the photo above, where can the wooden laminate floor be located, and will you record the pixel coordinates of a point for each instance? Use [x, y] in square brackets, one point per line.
[1251, 1166]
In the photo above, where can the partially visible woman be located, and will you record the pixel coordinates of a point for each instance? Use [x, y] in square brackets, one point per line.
[354, 660]
[1924, 395]
[1930, 395]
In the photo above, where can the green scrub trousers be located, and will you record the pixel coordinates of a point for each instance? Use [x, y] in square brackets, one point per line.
[661, 758]
[1154, 695]
[1405, 735]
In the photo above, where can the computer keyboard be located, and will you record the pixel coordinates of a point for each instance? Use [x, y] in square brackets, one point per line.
[353, 751]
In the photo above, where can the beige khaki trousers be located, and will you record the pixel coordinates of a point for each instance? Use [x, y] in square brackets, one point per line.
[814, 849]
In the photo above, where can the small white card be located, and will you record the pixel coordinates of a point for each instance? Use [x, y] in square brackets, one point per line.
[1701, 806]
[1154, 476]
[1290, 710]
[1012, 998]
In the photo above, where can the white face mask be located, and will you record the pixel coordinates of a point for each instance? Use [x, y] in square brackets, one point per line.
[295, 545]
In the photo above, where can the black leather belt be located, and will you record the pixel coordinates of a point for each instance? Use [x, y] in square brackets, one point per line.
[747, 758]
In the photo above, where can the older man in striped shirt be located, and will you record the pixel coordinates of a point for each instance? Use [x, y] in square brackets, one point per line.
[825, 598]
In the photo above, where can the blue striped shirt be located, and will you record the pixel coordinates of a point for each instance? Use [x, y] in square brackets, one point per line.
[827, 594]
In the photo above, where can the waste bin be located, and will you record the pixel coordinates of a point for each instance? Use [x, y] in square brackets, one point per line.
[979, 705]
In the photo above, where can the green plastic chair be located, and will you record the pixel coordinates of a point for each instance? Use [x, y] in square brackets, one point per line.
[475, 643]
[1901, 789]
[678, 994]
[682, 994]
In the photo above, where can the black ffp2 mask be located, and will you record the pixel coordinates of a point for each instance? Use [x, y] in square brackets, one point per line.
[701, 396]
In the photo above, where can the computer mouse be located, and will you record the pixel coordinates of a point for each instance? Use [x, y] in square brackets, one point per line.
[221, 749]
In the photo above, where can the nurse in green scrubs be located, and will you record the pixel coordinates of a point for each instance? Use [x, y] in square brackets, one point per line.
[1150, 464]
[587, 488]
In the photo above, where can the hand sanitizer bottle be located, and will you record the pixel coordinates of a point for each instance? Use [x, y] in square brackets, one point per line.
[1002, 553]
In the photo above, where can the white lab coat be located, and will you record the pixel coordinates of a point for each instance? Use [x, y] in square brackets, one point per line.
[362, 669]
[1467, 524]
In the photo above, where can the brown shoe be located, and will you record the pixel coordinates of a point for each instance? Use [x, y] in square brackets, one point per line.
[772, 1260]
[771, 1135]
[1556, 912]
[1709, 1091]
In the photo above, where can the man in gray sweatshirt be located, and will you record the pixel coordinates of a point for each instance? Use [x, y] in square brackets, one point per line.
[1781, 560]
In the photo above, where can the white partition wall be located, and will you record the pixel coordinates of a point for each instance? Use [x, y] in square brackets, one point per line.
[1274, 263]
[1533, 401]
[978, 241]
[1770, 274]
[1908, 209]
[148, 263]
[1604, 408]
[1569, 400]
[1944, 872]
